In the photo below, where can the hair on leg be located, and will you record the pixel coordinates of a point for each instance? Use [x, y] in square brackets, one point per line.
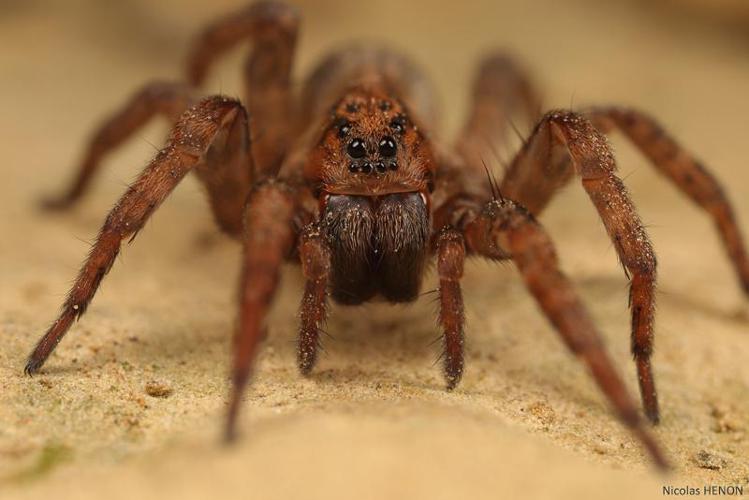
[450, 250]
[190, 139]
[564, 144]
[314, 255]
[688, 174]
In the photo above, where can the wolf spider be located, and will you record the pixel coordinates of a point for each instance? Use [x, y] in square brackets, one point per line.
[347, 179]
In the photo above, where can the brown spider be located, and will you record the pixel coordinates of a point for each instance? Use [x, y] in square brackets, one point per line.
[347, 179]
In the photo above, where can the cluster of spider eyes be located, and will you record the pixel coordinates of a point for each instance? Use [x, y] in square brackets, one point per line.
[387, 149]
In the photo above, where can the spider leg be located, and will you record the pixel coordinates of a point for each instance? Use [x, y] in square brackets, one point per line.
[501, 90]
[503, 228]
[687, 173]
[191, 137]
[227, 172]
[271, 227]
[450, 249]
[272, 28]
[315, 257]
[565, 143]
[164, 98]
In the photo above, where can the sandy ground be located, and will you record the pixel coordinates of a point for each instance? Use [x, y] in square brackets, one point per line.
[373, 421]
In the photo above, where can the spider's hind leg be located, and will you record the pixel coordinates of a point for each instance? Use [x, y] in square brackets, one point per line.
[271, 27]
[501, 91]
[156, 98]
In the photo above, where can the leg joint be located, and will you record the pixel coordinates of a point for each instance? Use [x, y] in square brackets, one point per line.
[450, 255]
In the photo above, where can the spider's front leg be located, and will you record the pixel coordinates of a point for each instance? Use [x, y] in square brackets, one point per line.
[192, 137]
[688, 174]
[502, 229]
[564, 144]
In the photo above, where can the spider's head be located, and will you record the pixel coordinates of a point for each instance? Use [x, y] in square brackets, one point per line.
[371, 146]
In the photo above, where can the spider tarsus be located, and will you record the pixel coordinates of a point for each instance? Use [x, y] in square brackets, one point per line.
[55, 203]
[647, 386]
[230, 431]
[452, 377]
[655, 451]
[307, 351]
[230, 435]
[653, 415]
[33, 364]
[306, 361]
[32, 367]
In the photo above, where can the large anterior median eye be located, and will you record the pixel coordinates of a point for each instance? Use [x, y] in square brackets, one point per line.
[356, 149]
[387, 147]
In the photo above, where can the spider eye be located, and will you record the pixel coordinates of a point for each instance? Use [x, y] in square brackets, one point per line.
[398, 124]
[344, 127]
[356, 149]
[387, 147]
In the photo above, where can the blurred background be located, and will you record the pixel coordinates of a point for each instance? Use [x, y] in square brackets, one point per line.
[66, 64]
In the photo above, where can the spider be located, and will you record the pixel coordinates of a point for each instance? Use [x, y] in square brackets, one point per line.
[347, 179]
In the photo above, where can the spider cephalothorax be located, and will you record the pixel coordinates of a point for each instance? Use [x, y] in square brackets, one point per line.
[371, 146]
[362, 196]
